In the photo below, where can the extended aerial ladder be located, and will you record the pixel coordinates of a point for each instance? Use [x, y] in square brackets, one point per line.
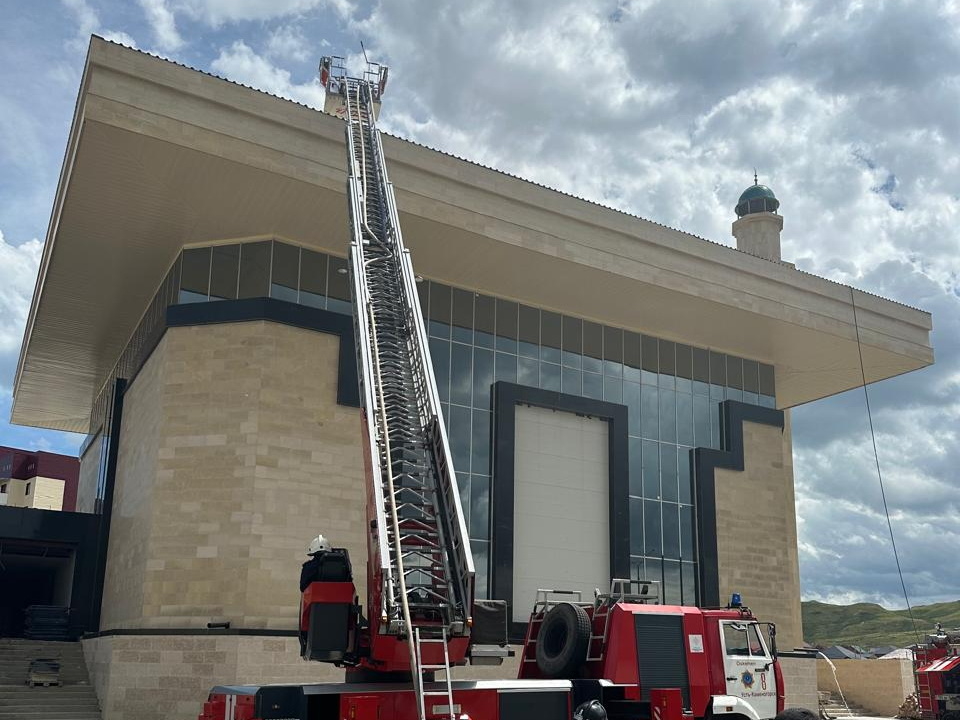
[420, 569]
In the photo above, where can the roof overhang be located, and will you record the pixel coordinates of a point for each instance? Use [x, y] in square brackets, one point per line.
[161, 156]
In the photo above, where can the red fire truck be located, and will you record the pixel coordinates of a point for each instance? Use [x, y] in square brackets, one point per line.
[937, 666]
[638, 660]
[620, 651]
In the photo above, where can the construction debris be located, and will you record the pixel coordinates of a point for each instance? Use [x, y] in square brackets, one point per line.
[910, 708]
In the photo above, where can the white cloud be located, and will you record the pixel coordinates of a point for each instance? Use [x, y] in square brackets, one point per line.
[119, 37]
[163, 23]
[665, 108]
[19, 263]
[217, 12]
[20, 141]
[88, 23]
[241, 64]
[87, 19]
[287, 42]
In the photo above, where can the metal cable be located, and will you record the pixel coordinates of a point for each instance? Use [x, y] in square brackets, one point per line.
[876, 457]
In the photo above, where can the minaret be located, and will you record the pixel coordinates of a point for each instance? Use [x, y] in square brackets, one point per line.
[757, 228]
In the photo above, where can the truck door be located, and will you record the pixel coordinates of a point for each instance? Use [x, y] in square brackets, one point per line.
[749, 666]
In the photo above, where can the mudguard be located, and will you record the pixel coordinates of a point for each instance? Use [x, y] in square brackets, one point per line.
[731, 705]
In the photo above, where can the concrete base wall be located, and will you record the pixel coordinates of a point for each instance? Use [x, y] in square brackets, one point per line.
[168, 677]
[800, 682]
[879, 686]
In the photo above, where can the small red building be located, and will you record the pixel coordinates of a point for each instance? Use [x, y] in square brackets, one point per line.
[40, 479]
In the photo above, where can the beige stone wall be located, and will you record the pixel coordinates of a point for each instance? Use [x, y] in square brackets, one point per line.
[47, 493]
[37, 492]
[131, 525]
[800, 682]
[98, 655]
[757, 531]
[89, 472]
[168, 677]
[16, 492]
[879, 686]
[233, 454]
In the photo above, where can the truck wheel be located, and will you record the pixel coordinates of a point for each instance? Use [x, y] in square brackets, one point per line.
[563, 641]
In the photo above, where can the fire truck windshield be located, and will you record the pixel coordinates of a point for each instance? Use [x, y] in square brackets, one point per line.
[743, 639]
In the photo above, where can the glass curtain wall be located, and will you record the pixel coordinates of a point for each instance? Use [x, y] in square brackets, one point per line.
[672, 391]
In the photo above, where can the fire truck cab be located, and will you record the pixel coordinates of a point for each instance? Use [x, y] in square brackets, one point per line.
[634, 656]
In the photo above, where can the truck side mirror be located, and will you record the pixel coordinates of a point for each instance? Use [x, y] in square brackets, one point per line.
[772, 637]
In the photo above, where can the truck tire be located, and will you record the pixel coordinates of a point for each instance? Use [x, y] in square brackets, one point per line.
[563, 640]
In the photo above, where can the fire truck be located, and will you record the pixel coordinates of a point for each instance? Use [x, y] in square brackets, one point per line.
[937, 667]
[621, 652]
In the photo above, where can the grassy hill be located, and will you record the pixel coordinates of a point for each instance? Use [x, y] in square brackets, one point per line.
[869, 625]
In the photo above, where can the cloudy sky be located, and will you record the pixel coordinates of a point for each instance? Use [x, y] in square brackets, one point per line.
[850, 111]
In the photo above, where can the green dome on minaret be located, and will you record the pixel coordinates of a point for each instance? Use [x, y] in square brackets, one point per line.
[757, 199]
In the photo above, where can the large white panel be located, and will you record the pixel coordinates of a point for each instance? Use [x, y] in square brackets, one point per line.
[561, 516]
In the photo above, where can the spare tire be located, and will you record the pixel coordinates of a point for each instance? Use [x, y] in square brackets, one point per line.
[563, 640]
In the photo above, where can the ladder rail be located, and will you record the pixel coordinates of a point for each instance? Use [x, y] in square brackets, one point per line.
[447, 691]
[446, 677]
[365, 362]
[418, 677]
